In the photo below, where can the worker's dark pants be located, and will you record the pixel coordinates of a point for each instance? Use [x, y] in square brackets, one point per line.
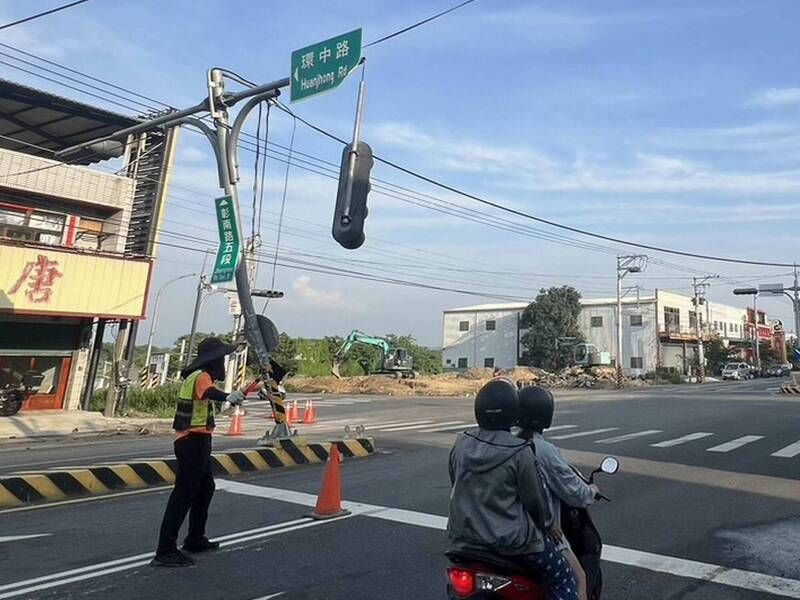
[194, 487]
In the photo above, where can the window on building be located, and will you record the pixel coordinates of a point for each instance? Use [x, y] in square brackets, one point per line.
[27, 224]
[636, 320]
[672, 318]
[488, 363]
[762, 318]
[692, 320]
[448, 362]
[597, 321]
[637, 362]
[463, 325]
[462, 363]
[491, 325]
[716, 325]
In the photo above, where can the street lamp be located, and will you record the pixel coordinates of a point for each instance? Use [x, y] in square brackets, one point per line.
[625, 265]
[154, 320]
[754, 293]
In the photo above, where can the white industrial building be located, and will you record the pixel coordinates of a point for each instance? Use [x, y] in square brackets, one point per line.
[657, 331]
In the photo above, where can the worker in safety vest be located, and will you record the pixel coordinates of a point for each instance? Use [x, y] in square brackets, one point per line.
[194, 482]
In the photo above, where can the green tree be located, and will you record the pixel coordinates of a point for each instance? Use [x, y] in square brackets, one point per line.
[286, 355]
[716, 355]
[552, 315]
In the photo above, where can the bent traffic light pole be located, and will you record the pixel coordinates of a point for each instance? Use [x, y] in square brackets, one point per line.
[224, 140]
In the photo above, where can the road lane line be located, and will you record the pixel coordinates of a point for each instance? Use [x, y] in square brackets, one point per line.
[789, 451]
[270, 596]
[560, 427]
[679, 567]
[628, 436]
[132, 562]
[682, 440]
[737, 443]
[568, 436]
[407, 427]
[445, 426]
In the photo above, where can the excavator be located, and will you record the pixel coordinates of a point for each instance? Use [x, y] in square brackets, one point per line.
[394, 361]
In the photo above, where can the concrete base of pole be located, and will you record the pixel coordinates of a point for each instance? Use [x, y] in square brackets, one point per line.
[279, 432]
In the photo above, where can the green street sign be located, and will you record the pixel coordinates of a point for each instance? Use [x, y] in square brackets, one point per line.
[229, 241]
[323, 66]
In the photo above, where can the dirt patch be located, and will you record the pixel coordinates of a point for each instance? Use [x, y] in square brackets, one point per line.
[465, 383]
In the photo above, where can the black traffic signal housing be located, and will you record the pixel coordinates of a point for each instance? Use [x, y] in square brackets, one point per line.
[350, 214]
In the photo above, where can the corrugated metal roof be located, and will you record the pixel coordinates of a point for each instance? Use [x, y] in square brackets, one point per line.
[40, 118]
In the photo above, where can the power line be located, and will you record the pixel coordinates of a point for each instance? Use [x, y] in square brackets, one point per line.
[418, 24]
[43, 14]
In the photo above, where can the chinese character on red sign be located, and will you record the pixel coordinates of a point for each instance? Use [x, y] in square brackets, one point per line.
[40, 275]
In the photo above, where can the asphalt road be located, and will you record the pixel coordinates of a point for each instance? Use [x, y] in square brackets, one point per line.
[686, 507]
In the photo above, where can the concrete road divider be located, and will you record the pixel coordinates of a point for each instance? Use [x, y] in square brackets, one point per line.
[55, 485]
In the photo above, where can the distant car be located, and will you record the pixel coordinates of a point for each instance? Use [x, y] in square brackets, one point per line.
[779, 370]
[737, 371]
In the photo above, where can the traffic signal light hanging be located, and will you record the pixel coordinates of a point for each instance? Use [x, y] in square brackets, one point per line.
[351, 199]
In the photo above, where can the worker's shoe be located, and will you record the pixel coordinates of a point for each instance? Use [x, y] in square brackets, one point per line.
[201, 545]
[173, 558]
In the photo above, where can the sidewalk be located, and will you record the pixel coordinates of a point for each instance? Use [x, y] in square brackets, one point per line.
[56, 423]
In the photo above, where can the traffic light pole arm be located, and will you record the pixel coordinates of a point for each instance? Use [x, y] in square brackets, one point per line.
[351, 166]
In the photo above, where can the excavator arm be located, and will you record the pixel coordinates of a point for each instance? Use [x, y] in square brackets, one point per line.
[357, 337]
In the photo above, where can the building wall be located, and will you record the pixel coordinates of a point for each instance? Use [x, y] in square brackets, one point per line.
[477, 344]
[638, 341]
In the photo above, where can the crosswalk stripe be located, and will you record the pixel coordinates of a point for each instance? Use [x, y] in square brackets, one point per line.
[583, 433]
[407, 427]
[737, 443]
[446, 426]
[628, 436]
[380, 425]
[789, 451]
[682, 440]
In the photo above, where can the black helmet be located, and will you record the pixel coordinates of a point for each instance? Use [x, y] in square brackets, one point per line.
[496, 404]
[535, 408]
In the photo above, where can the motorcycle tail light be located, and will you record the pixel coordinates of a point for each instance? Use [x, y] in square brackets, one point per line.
[462, 580]
[491, 583]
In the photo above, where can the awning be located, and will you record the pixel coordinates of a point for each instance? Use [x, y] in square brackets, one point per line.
[32, 116]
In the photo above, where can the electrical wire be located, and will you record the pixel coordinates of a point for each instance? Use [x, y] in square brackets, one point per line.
[42, 14]
[417, 24]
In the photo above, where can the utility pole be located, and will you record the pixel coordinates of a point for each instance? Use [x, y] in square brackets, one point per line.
[625, 264]
[154, 321]
[202, 286]
[700, 288]
[796, 306]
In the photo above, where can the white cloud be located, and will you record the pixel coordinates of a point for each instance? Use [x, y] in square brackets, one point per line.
[310, 296]
[776, 97]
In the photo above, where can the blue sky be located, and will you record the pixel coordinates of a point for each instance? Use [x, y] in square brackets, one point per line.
[674, 124]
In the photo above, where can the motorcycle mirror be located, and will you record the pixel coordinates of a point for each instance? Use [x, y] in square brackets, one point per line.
[609, 465]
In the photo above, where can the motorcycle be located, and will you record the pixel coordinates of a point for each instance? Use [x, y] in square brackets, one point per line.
[13, 395]
[476, 574]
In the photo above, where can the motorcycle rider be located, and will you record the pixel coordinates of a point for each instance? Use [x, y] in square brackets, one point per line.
[562, 484]
[497, 501]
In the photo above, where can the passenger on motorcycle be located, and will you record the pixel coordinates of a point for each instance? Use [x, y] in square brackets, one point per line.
[562, 484]
[497, 501]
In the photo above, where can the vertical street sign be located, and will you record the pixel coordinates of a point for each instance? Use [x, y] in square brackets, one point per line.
[228, 253]
[323, 66]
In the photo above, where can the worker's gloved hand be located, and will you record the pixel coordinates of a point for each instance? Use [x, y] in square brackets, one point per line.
[236, 397]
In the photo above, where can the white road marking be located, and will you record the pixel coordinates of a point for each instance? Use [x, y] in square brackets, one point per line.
[789, 451]
[445, 426]
[583, 433]
[737, 443]
[560, 427]
[15, 538]
[53, 580]
[682, 440]
[628, 436]
[406, 428]
[270, 596]
[679, 567]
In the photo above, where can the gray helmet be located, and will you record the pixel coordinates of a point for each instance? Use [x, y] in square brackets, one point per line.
[496, 405]
[536, 406]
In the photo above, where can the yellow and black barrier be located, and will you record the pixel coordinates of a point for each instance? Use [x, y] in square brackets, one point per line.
[789, 388]
[52, 486]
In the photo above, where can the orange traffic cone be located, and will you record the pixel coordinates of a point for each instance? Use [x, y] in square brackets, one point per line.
[329, 501]
[293, 416]
[309, 414]
[236, 423]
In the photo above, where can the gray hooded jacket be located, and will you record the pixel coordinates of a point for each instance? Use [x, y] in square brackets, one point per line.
[497, 500]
